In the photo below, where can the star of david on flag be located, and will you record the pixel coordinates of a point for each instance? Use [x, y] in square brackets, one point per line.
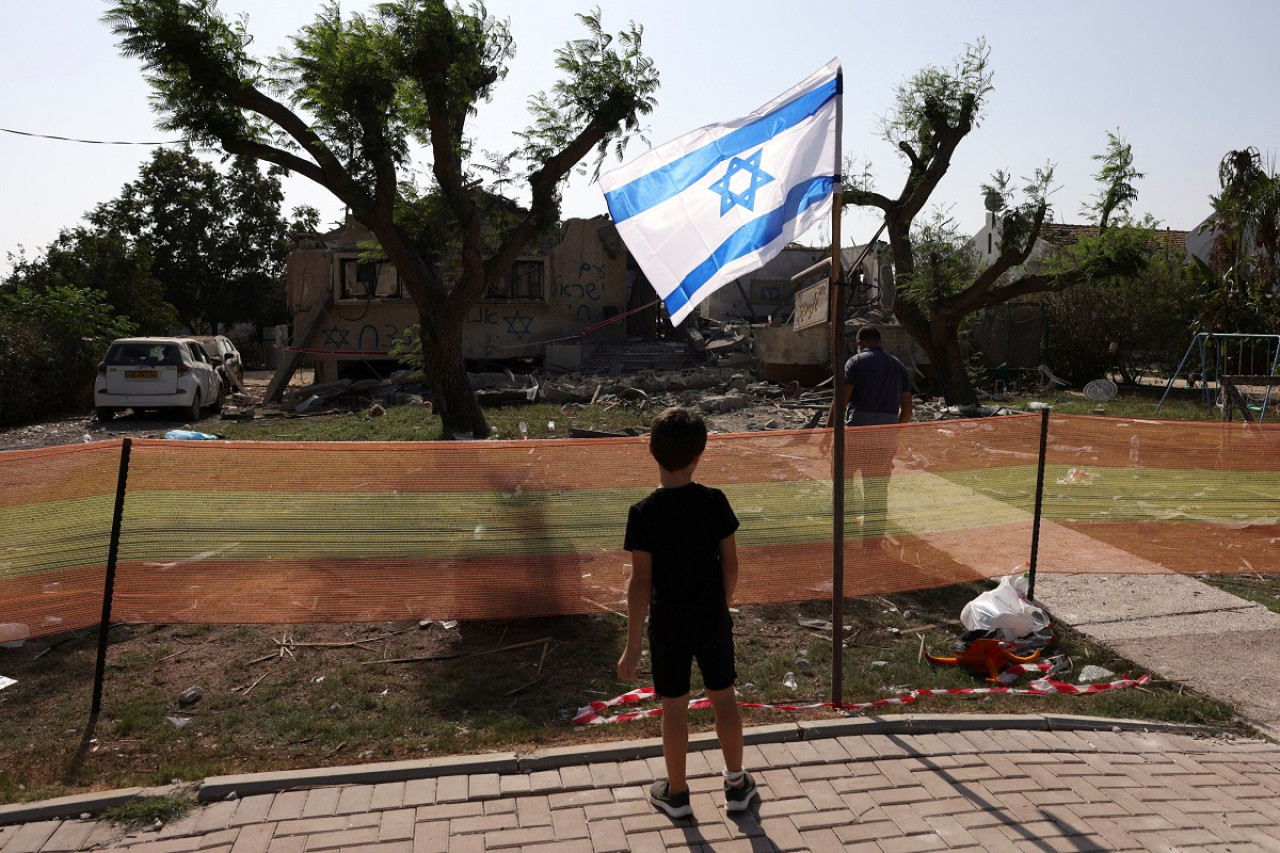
[725, 199]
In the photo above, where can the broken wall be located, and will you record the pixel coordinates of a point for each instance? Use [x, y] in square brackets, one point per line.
[584, 285]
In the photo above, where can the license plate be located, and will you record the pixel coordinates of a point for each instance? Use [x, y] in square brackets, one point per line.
[142, 374]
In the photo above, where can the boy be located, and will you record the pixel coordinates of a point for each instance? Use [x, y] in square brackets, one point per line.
[684, 567]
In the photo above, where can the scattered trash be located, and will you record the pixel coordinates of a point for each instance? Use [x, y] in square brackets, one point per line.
[1076, 477]
[190, 696]
[13, 634]
[179, 722]
[1092, 673]
[984, 655]
[190, 435]
[1005, 609]
[5, 681]
[879, 663]
[789, 681]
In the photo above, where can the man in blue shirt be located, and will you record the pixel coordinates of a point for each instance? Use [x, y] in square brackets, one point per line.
[877, 391]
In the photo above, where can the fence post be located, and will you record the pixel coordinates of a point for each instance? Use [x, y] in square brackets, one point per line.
[108, 588]
[1035, 525]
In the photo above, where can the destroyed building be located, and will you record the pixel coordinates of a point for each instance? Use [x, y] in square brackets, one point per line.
[347, 310]
[574, 298]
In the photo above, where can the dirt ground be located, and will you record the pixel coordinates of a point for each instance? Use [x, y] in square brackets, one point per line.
[74, 429]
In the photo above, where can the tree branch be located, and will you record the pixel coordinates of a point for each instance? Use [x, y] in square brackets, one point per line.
[327, 171]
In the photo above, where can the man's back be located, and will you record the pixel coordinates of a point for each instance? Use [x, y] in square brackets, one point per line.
[877, 381]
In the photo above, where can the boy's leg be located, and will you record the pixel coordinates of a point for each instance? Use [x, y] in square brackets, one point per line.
[728, 726]
[675, 741]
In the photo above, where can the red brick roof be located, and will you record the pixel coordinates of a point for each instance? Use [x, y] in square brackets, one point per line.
[1060, 234]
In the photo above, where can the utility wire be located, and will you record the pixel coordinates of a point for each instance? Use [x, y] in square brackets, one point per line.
[86, 141]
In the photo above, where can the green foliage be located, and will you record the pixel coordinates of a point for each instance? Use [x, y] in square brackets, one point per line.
[602, 85]
[1021, 216]
[406, 346]
[1241, 280]
[100, 259]
[345, 106]
[1149, 314]
[217, 241]
[190, 55]
[1116, 192]
[147, 811]
[945, 263]
[937, 97]
[50, 342]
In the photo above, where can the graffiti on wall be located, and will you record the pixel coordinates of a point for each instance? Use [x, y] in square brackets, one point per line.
[583, 295]
[368, 338]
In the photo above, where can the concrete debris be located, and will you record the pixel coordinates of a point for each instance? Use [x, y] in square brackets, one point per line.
[716, 370]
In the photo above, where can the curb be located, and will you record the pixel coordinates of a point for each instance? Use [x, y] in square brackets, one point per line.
[217, 788]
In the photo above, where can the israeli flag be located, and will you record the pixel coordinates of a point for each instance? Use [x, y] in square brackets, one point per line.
[719, 202]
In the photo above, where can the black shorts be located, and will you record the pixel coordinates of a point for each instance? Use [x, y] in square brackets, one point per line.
[672, 651]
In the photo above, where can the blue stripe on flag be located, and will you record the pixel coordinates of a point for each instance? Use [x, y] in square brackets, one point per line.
[752, 237]
[675, 177]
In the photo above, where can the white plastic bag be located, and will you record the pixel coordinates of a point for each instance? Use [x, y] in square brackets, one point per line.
[1005, 609]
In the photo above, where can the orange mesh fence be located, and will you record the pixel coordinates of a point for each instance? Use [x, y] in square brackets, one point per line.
[56, 507]
[268, 532]
[1140, 496]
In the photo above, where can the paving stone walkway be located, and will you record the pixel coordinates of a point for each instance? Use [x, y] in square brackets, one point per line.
[908, 783]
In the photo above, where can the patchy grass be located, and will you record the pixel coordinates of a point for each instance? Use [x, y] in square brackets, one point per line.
[1182, 404]
[1263, 589]
[283, 697]
[148, 811]
[419, 423]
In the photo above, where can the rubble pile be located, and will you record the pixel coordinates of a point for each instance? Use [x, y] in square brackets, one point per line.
[714, 372]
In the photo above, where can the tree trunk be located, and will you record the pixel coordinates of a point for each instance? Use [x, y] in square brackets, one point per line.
[446, 369]
[940, 339]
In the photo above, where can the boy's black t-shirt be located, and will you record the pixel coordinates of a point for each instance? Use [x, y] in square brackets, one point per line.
[682, 529]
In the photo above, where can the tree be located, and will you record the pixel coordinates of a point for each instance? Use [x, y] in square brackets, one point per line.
[933, 112]
[96, 259]
[1148, 315]
[1244, 266]
[50, 340]
[1116, 192]
[346, 107]
[217, 242]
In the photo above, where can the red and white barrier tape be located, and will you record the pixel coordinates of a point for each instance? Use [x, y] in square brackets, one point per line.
[590, 715]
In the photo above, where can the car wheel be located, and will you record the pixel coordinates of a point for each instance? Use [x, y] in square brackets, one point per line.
[192, 412]
[106, 413]
[220, 398]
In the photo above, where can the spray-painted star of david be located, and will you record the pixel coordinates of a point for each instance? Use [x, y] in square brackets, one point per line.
[518, 325]
[335, 337]
[756, 178]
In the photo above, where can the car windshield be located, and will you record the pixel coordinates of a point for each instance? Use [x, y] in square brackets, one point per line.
[144, 353]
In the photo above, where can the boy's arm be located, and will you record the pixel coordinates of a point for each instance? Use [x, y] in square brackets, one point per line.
[638, 591]
[729, 566]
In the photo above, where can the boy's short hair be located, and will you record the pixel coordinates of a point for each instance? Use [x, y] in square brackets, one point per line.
[871, 334]
[677, 437]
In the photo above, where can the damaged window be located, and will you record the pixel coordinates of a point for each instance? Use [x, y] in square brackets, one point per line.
[523, 284]
[360, 280]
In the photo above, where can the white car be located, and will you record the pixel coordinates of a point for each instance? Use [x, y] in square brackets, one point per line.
[157, 373]
[225, 357]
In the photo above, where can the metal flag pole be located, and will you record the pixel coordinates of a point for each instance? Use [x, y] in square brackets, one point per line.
[838, 301]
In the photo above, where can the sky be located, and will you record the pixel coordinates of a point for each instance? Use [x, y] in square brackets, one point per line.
[1182, 84]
